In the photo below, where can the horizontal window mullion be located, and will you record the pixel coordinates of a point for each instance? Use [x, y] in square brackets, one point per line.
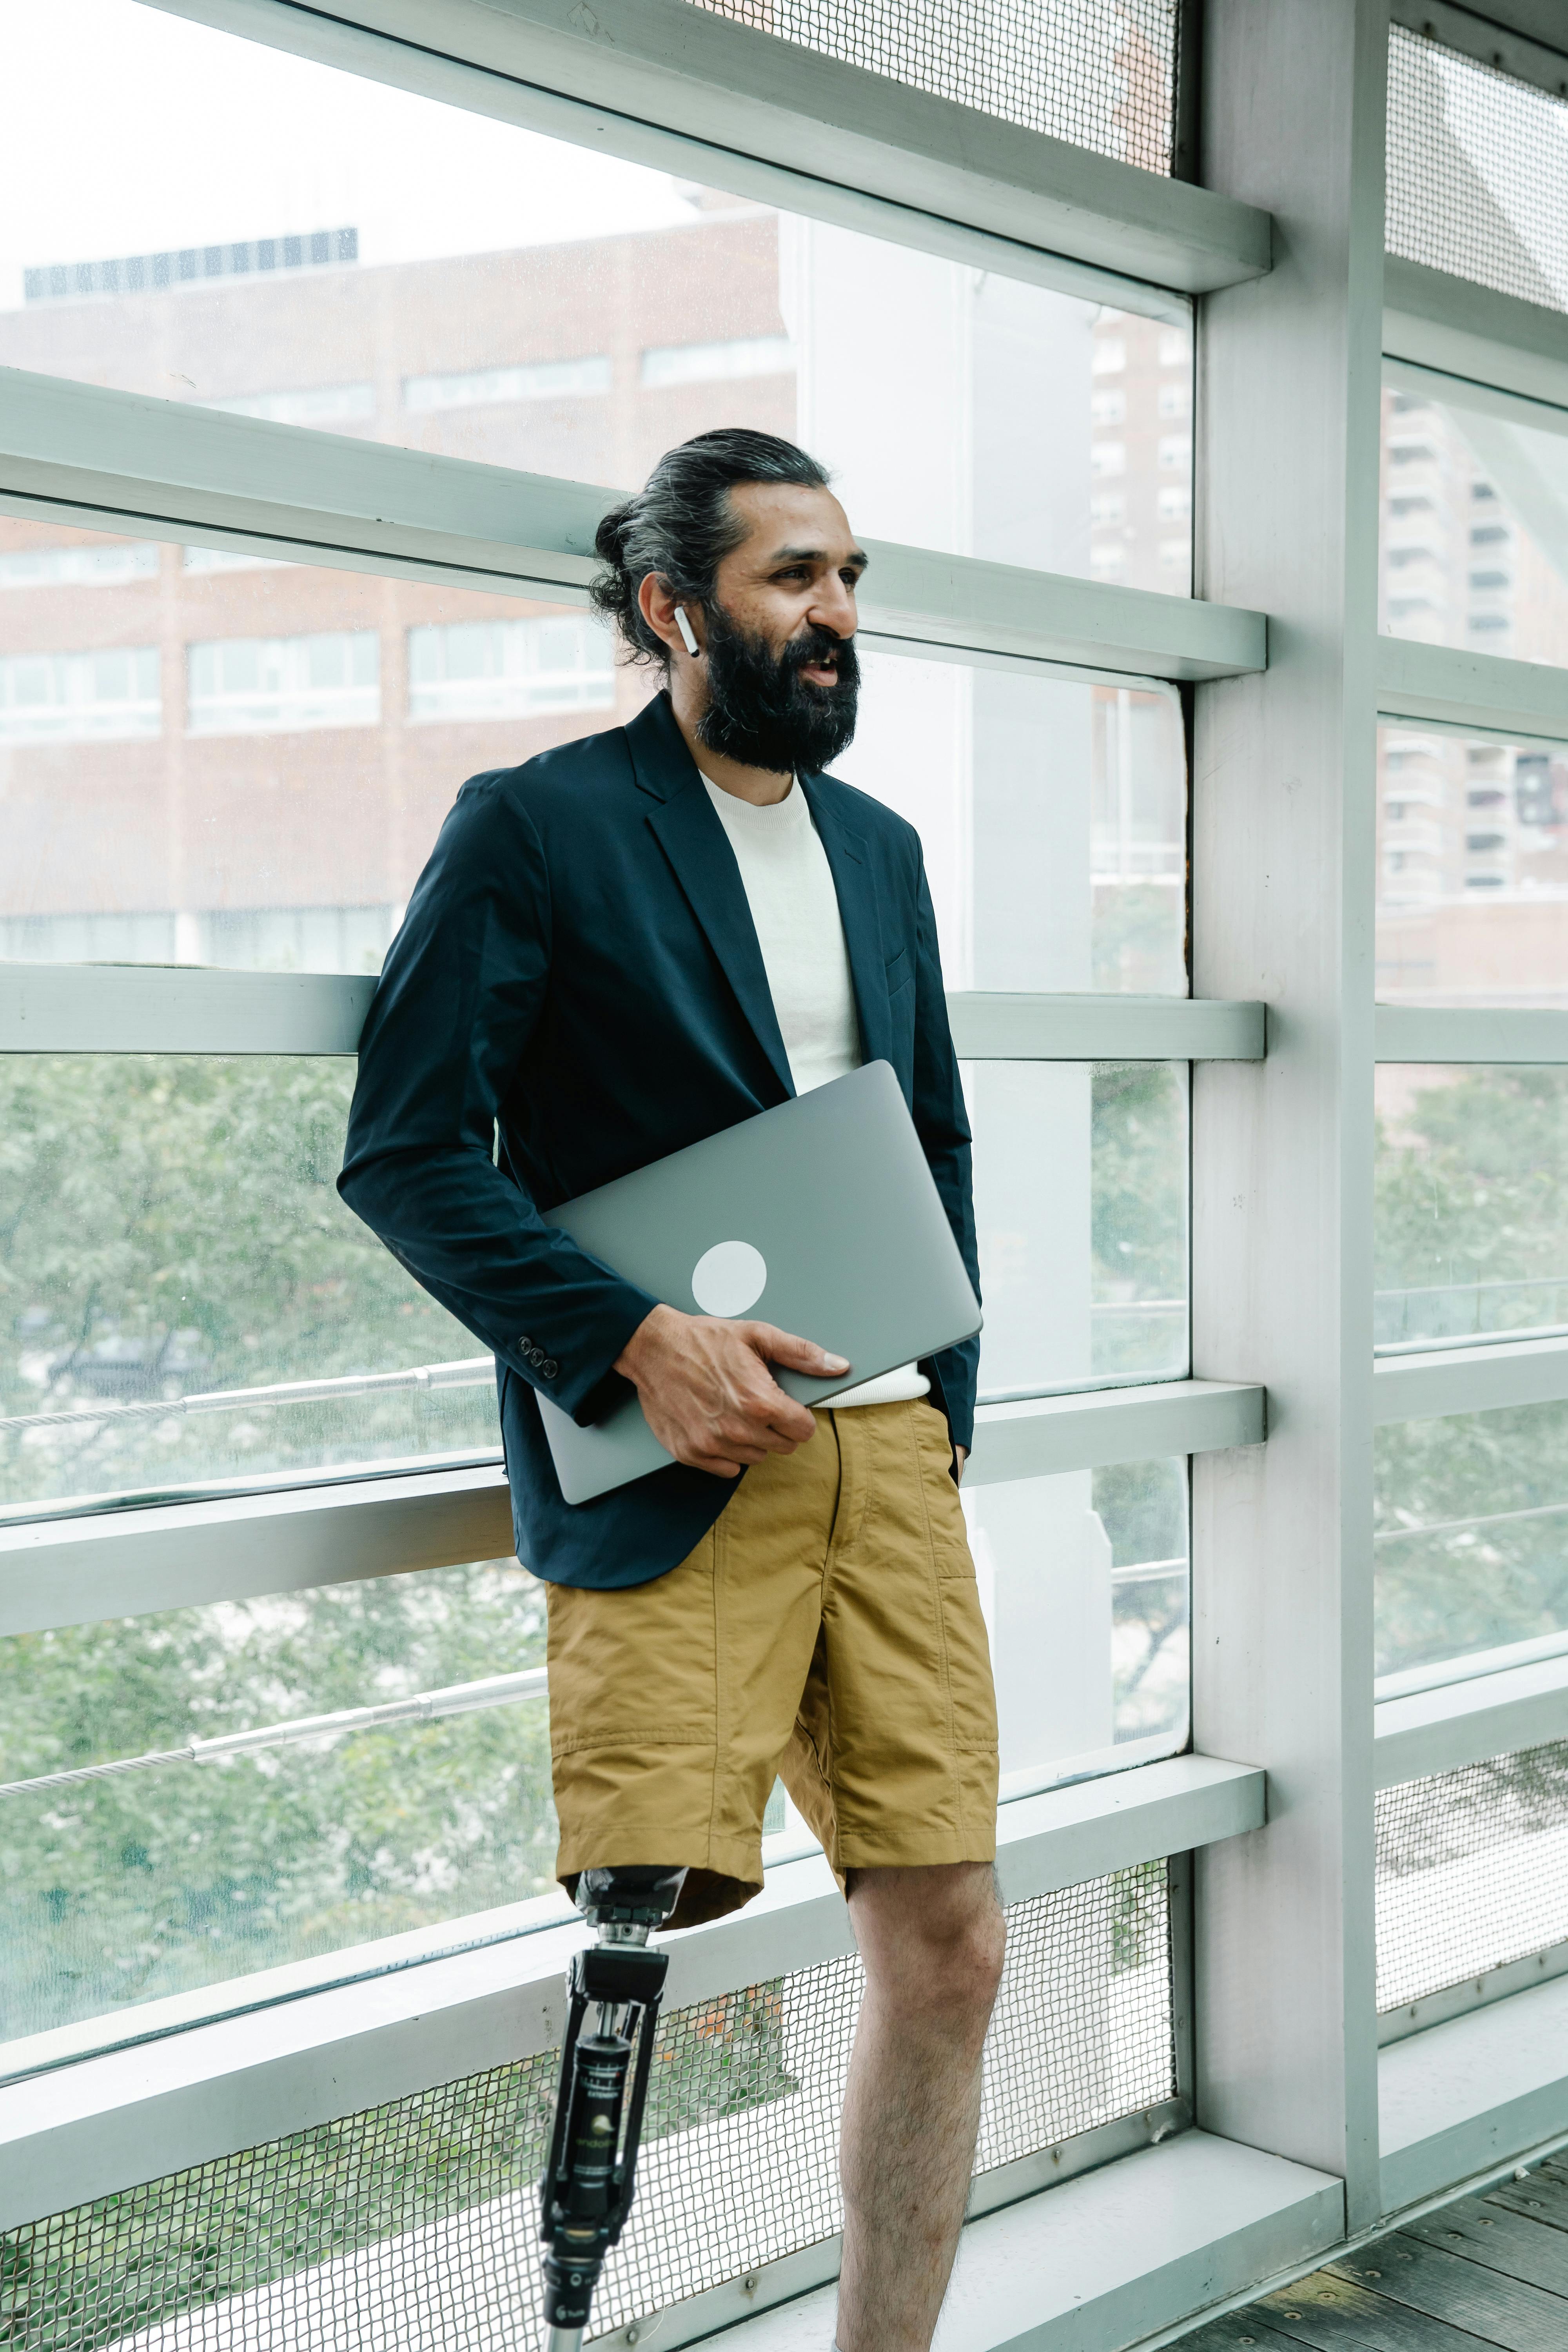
[658, 83]
[1471, 1720]
[79, 1570]
[1483, 693]
[1037, 1027]
[183, 1009]
[1470, 1034]
[1489, 1378]
[178, 1009]
[171, 468]
[1037, 1437]
[1459, 327]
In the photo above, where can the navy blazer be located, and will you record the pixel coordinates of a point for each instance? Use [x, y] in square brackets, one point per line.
[577, 990]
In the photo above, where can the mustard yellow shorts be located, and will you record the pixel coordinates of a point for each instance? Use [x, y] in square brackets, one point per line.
[826, 1630]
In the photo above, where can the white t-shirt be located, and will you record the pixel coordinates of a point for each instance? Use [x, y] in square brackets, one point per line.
[795, 907]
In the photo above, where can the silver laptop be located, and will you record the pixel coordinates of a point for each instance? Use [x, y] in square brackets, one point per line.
[820, 1216]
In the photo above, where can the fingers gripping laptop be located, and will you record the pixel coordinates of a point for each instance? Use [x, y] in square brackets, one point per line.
[820, 1216]
[687, 926]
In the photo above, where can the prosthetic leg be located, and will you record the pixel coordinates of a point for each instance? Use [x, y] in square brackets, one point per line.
[586, 2191]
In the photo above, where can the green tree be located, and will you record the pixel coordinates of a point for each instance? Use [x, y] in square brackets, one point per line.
[1472, 1189]
[171, 1224]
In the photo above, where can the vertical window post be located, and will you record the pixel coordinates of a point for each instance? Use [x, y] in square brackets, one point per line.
[1283, 845]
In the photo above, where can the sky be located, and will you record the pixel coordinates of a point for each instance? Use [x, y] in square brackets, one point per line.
[129, 131]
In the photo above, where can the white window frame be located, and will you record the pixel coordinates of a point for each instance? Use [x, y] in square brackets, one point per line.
[1287, 2158]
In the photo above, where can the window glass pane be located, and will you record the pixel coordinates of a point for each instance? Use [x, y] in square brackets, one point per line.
[1053, 814]
[1083, 1579]
[1472, 904]
[174, 1233]
[177, 1248]
[526, 302]
[1472, 1204]
[1471, 1540]
[1475, 520]
[310, 728]
[181, 1874]
[184, 1875]
[302, 733]
[1080, 1198]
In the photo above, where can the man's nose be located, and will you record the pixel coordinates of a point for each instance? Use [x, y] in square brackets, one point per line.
[834, 608]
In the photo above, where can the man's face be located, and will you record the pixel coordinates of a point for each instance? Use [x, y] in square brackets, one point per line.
[782, 672]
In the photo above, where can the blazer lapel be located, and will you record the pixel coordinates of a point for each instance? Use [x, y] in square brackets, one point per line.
[688, 831]
[856, 884]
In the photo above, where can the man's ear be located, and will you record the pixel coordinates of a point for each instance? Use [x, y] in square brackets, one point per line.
[668, 622]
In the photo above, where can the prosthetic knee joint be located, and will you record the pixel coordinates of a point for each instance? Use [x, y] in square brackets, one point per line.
[586, 2191]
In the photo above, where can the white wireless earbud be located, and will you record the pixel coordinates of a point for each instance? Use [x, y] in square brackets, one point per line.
[688, 635]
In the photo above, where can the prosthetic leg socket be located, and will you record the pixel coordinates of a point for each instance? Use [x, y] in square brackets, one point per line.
[586, 2191]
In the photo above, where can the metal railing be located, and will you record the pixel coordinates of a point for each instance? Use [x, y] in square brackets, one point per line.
[424, 1706]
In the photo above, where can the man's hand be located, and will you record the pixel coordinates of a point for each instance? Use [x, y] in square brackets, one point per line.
[960, 1455]
[707, 1392]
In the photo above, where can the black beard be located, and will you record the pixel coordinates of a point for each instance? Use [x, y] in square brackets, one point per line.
[763, 713]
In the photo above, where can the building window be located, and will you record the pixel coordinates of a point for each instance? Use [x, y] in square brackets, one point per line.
[713, 363]
[488, 387]
[1487, 620]
[1110, 356]
[1175, 554]
[1107, 408]
[265, 686]
[1175, 349]
[1110, 507]
[1175, 399]
[1491, 579]
[1107, 560]
[97, 697]
[77, 567]
[1176, 452]
[320, 404]
[510, 669]
[1174, 502]
[1108, 458]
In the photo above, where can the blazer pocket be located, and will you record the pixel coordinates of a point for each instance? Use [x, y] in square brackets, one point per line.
[900, 969]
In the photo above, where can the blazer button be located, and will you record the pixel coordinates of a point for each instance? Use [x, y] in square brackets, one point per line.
[549, 1368]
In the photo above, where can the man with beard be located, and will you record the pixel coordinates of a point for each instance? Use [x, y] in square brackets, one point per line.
[623, 946]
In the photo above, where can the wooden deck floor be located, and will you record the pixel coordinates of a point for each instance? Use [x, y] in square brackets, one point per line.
[1490, 2270]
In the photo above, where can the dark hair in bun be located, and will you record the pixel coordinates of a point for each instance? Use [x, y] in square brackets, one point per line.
[682, 524]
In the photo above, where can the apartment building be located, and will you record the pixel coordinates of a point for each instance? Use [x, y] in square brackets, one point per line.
[259, 752]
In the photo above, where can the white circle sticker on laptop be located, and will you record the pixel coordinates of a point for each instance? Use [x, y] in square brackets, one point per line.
[729, 1278]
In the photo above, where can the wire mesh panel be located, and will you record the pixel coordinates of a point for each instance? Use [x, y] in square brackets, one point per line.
[1472, 1871]
[1098, 73]
[412, 2227]
[1477, 173]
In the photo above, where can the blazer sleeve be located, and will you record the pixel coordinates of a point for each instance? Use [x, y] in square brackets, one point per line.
[942, 1126]
[461, 992]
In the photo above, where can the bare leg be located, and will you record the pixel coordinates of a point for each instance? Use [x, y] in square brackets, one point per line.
[932, 1944]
